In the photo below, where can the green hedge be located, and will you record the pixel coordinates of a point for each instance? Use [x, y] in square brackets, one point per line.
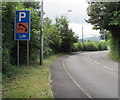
[89, 46]
[114, 44]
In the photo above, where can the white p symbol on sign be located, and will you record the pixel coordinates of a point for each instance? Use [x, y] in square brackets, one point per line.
[22, 15]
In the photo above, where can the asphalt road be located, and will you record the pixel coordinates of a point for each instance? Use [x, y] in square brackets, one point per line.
[85, 75]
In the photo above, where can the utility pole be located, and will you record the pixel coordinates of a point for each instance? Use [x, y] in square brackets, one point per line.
[82, 35]
[41, 34]
[104, 34]
[68, 14]
[69, 23]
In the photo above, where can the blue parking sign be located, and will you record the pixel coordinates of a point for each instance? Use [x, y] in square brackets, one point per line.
[22, 25]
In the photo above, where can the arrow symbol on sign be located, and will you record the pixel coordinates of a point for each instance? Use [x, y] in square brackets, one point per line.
[23, 26]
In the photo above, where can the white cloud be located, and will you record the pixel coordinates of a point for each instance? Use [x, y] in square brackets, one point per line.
[54, 8]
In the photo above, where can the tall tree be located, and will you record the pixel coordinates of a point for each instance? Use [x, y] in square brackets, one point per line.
[106, 15]
[7, 32]
[52, 38]
[67, 35]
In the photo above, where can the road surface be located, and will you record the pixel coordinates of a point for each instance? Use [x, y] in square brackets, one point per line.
[85, 75]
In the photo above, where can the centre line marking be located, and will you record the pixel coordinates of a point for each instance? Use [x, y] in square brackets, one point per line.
[108, 68]
[96, 62]
[90, 59]
[103, 65]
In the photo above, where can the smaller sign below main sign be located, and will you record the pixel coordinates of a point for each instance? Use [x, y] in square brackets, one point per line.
[22, 25]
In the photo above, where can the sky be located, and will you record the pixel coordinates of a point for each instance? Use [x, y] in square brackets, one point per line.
[77, 16]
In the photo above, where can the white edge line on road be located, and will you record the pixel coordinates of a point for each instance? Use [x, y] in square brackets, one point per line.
[78, 85]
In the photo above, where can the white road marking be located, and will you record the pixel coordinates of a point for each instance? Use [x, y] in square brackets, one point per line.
[108, 68]
[96, 62]
[78, 85]
[90, 59]
[102, 65]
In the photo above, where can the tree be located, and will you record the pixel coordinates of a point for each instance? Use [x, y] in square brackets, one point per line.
[104, 35]
[57, 37]
[52, 38]
[106, 16]
[67, 35]
[9, 44]
[34, 5]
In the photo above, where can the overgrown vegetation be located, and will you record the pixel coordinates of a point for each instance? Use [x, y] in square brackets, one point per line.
[57, 37]
[29, 82]
[115, 50]
[106, 16]
[90, 46]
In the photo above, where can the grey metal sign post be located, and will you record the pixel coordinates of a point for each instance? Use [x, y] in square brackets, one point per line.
[27, 52]
[41, 34]
[17, 52]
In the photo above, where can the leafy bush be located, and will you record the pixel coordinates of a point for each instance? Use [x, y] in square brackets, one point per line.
[77, 47]
[6, 57]
[48, 51]
[90, 46]
[103, 45]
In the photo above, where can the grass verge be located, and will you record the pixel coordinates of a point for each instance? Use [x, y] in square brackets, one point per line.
[30, 82]
[114, 58]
